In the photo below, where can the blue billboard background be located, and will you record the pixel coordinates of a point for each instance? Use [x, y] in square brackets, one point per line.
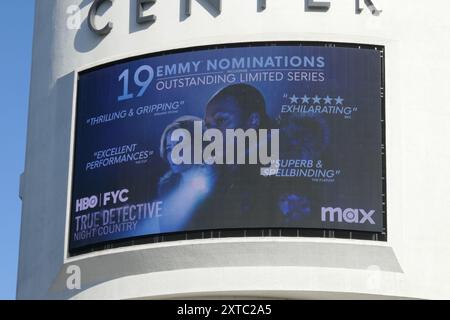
[324, 101]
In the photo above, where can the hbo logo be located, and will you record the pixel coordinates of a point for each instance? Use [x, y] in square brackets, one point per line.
[86, 203]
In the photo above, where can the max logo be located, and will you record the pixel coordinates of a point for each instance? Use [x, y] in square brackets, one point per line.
[348, 215]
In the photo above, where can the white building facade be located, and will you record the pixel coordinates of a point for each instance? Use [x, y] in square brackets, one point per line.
[414, 262]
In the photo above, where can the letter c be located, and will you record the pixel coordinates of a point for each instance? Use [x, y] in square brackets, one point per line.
[91, 19]
[123, 195]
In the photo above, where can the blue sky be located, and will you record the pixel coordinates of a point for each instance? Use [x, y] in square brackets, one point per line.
[16, 31]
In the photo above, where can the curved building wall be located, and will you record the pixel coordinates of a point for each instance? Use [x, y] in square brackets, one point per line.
[414, 261]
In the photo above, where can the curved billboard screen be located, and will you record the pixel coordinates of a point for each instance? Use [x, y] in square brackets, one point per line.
[261, 136]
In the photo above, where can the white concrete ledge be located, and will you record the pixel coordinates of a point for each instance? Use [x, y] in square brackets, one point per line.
[223, 255]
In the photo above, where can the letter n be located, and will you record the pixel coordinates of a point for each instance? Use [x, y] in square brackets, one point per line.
[369, 5]
[215, 4]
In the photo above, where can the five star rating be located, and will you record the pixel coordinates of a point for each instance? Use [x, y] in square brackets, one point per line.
[317, 105]
[316, 100]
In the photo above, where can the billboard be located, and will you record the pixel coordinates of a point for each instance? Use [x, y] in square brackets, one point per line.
[262, 136]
